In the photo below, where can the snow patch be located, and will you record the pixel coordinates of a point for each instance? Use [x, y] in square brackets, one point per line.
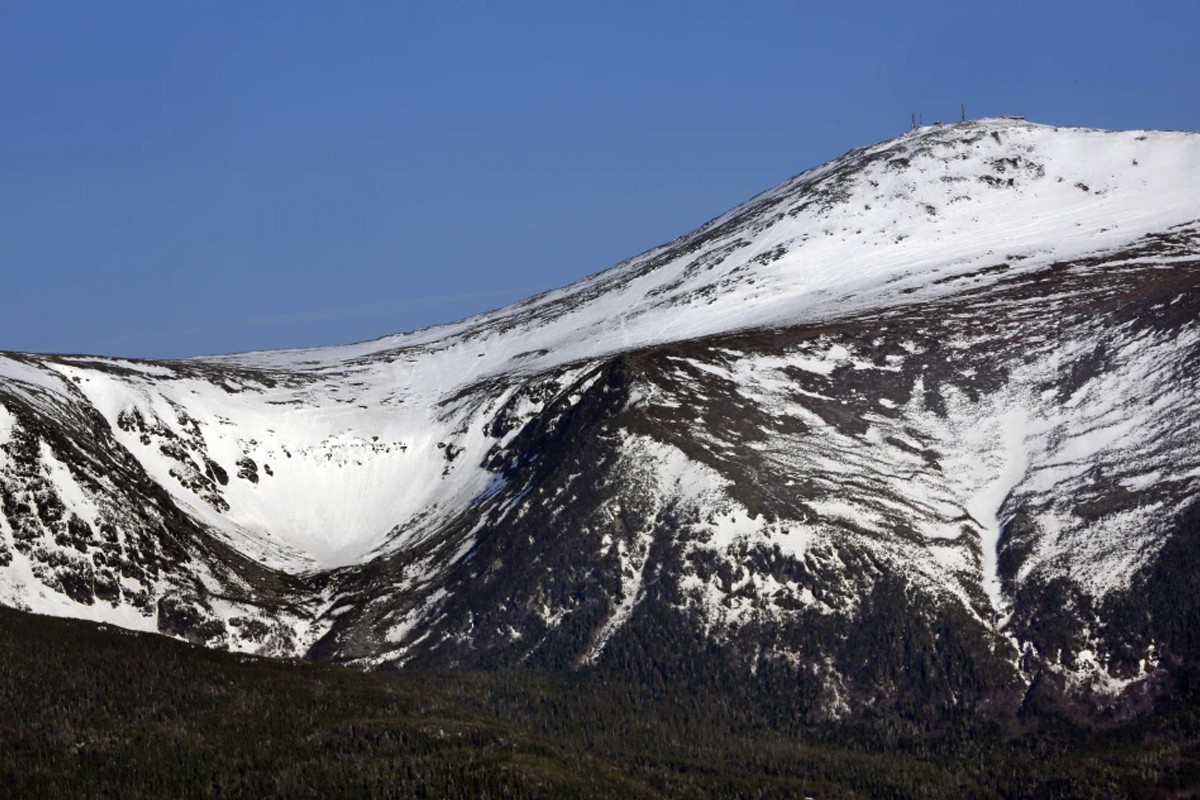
[8, 424]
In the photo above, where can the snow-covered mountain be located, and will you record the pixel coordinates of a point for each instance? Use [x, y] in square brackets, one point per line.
[922, 421]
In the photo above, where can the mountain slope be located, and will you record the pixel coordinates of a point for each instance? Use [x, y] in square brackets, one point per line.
[917, 428]
[94, 712]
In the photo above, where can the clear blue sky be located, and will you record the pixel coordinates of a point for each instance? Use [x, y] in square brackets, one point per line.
[180, 178]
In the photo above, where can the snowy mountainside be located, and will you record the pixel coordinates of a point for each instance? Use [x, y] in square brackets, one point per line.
[940, 391]
[880, 225]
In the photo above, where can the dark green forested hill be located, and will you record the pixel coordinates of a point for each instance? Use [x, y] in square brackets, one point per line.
[89, 711]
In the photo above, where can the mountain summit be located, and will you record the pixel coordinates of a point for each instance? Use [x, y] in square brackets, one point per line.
[917, 427]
